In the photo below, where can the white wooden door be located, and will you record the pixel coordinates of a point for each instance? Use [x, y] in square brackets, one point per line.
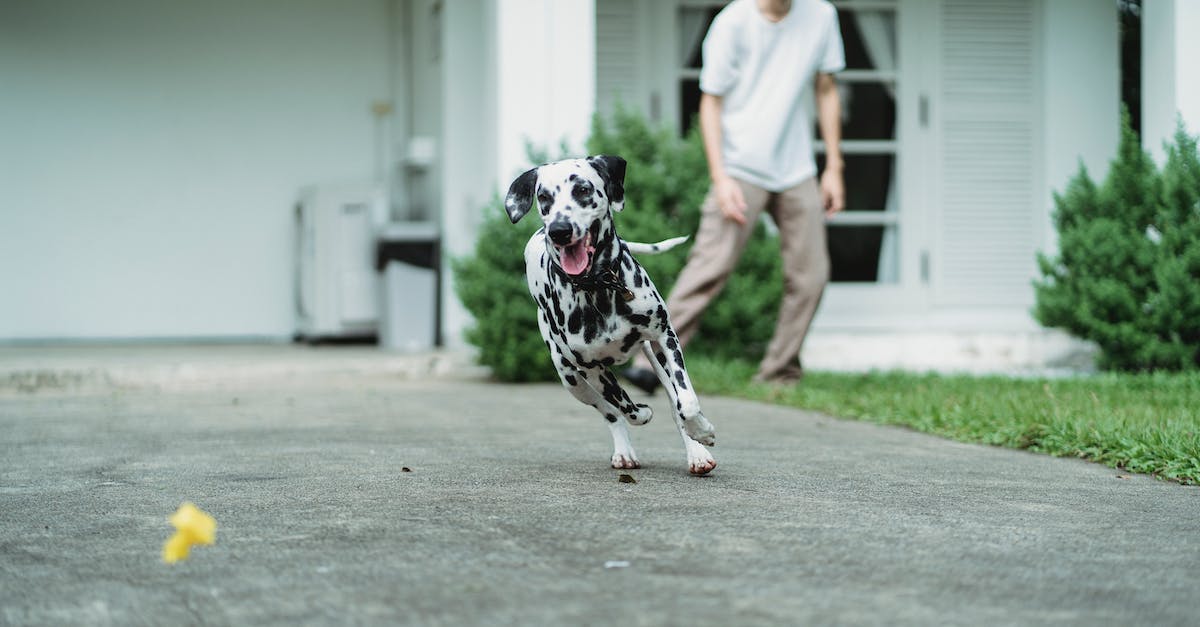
[986, 111]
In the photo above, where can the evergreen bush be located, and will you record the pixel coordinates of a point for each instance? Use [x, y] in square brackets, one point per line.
[1127, 273]
[665, 184]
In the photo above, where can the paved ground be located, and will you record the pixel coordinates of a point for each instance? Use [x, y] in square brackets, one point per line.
[510, 516]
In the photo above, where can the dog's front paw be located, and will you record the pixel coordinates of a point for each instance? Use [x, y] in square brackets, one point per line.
[641, 415]
[700, 461]
[701, 430]
[625, 460]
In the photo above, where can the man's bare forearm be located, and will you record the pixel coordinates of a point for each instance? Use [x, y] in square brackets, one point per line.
[829, 117]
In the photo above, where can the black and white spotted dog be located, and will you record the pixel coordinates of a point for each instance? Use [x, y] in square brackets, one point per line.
[596, 305]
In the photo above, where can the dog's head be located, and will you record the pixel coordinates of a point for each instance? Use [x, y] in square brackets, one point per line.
[575, 198]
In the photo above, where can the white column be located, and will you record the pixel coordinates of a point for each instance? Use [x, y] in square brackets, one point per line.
[1187, 52]
[514, 71]
[1082, 96]
[467, 160]
[546, 78]
[1170, 84]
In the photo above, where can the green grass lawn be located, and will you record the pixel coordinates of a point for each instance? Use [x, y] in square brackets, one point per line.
[1140, 423]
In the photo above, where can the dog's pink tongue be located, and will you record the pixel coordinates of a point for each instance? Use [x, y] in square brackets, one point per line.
[574, 259]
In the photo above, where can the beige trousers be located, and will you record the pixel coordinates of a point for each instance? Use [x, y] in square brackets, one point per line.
[800, 216]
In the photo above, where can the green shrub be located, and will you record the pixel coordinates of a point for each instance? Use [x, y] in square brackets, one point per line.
[491, 285]
[1127, 274]
[665, 183]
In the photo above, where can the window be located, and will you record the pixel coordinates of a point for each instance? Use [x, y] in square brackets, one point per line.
[864, 239]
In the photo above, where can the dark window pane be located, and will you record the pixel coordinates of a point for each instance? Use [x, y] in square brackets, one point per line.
[689, 104]
[868, 111]
[854, 253]
[693, 26]
[869, 38]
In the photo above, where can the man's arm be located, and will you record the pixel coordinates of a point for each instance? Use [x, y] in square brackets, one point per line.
[829, 116]
[728, 192]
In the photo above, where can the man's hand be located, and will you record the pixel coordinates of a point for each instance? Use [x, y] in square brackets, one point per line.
[730, 199]
[833, 191]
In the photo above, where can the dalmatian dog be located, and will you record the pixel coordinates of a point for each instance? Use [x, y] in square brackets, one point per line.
[596, 304]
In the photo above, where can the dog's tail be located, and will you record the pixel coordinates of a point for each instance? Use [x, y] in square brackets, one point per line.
[654, 249]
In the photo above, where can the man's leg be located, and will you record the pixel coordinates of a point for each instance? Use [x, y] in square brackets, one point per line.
[800, 217]
[719, 244]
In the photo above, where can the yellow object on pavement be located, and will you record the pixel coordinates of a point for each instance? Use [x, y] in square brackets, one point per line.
[192, 526]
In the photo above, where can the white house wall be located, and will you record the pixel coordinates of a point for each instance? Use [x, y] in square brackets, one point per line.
[467, 181]
[1082, 100]
[546, 78]
[519, 71]
[152, 153]
[1187, 80]
[1170, 83]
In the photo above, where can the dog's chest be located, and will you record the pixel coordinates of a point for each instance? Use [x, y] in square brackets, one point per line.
[597, 325]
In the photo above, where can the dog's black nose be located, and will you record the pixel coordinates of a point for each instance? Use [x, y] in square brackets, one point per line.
[560, 232]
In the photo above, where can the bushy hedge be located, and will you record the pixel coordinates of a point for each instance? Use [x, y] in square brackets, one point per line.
[665, 183]
[1127, 273]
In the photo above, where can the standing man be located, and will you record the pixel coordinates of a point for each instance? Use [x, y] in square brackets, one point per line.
[763, 62]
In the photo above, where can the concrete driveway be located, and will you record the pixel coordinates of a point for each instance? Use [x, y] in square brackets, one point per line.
[508, 514]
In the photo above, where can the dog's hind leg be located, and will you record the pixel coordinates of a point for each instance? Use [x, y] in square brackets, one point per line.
[694, 428]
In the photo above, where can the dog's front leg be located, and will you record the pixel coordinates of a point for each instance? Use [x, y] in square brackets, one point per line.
[576, 381]
[610, 396]
[667, 357]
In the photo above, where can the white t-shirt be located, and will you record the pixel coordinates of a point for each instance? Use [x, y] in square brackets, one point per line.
[764, 73]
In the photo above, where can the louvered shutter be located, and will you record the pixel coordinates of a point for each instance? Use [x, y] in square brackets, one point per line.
[988, 103]
[617, 54]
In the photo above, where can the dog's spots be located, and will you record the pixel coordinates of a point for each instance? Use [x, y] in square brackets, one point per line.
[610, 417]
[591, 326]
[680, 380]
[575, 321]
[622, 306]
[582, 192]
[559, 316]
[637, 319]
[671, 343]
[630, 339]
[662, 359]
[612, 392]
[661, 314]
[571, 380]
[604, 306]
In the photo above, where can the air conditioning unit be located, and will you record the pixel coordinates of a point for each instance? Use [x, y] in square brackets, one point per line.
[337, 286]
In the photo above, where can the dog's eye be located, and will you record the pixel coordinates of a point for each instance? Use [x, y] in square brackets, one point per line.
[544, 199]
[583, 191]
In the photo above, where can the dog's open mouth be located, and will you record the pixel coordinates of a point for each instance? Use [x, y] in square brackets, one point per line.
[576, 257]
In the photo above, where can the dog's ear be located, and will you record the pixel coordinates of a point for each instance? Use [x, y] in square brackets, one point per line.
[612, 171]
[520, 195]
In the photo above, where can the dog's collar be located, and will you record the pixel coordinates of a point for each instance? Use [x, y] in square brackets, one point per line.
[603, 277]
